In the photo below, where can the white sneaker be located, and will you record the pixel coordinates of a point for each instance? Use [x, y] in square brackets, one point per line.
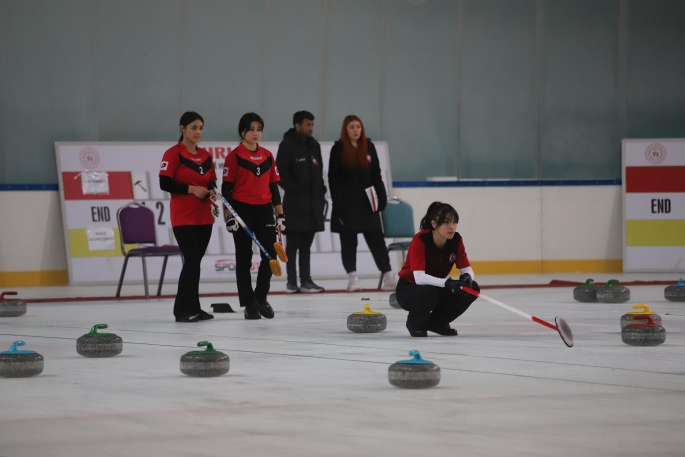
[353, 284]
[389, 281]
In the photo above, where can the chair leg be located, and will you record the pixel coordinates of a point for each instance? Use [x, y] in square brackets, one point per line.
[121, 277]
[161, 278]
[147, 294]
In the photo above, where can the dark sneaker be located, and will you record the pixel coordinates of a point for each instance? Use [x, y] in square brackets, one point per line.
[444, 331]
[291, 287]
[205, 316]
[264, 308]
[309, 287]
[416, 331]
[251, 312]
[194, 318]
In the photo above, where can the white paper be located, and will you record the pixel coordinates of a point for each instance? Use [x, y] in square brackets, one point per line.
[95, 183]
[101, 239]
[373, 198]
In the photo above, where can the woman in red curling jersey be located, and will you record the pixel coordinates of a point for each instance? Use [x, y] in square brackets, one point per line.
[433, 301]
[186, 172]
[249, 184]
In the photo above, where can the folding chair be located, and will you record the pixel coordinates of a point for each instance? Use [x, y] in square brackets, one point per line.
[398, 222]
[137, 225]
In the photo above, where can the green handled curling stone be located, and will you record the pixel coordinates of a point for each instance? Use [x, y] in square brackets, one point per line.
[675, 292]
[204, 364]
[628, 318]
[586, 293]
[415, 373]
[613, 293]
[94, 344]
[367, 321]
[648, 334]
[11, 307]
[17, 363]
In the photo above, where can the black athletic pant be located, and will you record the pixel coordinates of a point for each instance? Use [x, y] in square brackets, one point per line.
[259, 219]
[376, 242]
[432, 307]
[193, 241]
[299, 241]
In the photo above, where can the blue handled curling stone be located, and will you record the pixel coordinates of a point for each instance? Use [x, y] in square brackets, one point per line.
[675, 292]
[647, 334]
[393, 301]
[11, 307]
[613, 293]
[367, 321]
[204, 364]
[628, 318]
[94, 344]
[17, 363]
[416, 373]
[586, 293]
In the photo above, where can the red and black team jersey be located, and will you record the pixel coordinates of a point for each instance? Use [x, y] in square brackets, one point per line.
[251, 173]
[192, 170]
[424, 255]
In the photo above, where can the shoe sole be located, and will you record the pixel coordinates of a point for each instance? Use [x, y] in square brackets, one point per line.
[310, 291]
[354, 289]
[292, 291]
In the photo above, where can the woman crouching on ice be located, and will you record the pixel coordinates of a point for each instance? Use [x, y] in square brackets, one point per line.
[433, 301]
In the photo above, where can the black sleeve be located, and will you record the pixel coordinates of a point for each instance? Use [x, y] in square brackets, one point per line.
[275, 195]
[334, 182]
[167, 184]
[284, 160]
[377, 177]
[227, 189]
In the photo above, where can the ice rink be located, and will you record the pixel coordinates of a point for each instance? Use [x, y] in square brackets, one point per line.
[303, 385]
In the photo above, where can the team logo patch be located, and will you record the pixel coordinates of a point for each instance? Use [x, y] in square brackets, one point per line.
[164, 165]
[89, 158]
[225, 172]
[453, 257]
[368, 157]
[655, 153]
[314, 161]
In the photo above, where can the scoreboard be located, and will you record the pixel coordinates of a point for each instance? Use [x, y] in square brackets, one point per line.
[654, 205]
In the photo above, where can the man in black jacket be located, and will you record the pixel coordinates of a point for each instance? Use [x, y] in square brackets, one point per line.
[301, 170]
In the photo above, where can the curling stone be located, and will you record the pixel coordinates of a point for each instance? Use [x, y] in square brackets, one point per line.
[674, 292]
[416, 373]
[221, 308]
[627, 318]
[648, 334]
[204, 364]
[613, 294]
[94, 344]
[393, 301]
[11, 307]
[367, 321]
[586, 293]
[17, 363]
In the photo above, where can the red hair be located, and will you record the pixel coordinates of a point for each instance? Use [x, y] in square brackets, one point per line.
[353, 157]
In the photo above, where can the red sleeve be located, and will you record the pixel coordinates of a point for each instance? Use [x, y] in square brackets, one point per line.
[230, 167]
[417, 251]
[462, 258]
[169, 163]
[274, 176]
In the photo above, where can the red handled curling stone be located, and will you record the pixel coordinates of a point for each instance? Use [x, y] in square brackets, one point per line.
[675, 292]
[649, 334]
[17, 363]
[205, 364]
[11, 307]
[613, 294]
[586, 293]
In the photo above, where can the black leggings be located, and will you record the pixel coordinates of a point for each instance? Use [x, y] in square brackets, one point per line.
[299, 241]
[432, 307]
[259, 219]
[193, 241]
[376, 241]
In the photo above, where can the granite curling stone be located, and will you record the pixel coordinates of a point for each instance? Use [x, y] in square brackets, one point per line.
[367, 321]
[393, 301]
[205, 364]
[586, 293]
[648, 334]
[17, 363]
[674, 292]
[11, 307]
[222, 308]
[94, 344]
[627, 318]
[416, 373]
[613, 294]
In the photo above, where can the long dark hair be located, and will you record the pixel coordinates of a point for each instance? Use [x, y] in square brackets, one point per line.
[246, 121]
[188, 118]
[353, 157]
[438, 212]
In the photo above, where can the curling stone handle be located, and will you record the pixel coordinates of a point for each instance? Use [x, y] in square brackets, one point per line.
[641, 317]
[2, 295]
[611, 282]
[209, 345]
[645, 309]
[94, 330]
[13, 348]
[588, 281]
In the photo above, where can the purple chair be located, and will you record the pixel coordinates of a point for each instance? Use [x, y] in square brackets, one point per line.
[137, 225]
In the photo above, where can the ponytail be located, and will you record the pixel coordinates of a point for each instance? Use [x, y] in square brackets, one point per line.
[438, 211]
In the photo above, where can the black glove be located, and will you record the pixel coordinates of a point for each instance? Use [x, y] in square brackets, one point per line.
[453, 286]
[466, 280]
[231, 223]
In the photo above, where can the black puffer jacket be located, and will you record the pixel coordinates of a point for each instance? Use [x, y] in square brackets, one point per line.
[351, 208]
[301, 170]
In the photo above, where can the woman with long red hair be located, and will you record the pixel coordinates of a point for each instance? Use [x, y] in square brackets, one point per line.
[358, 194]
